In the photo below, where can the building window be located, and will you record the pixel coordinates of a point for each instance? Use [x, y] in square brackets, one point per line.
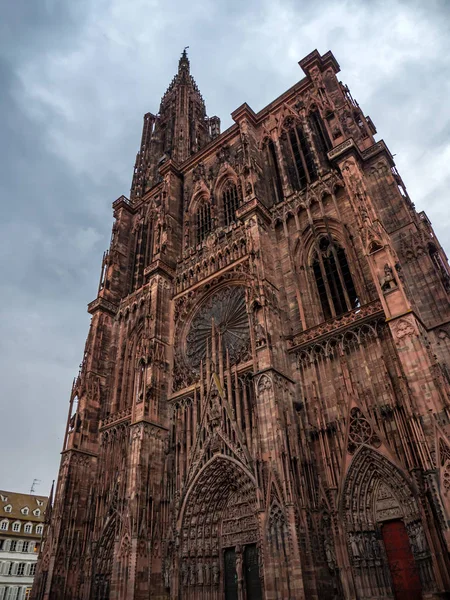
[13, 546]
[273, 175]
[39, 529]
[16, 526]
[11, 568]
[8, 508]
[28, 528]
[4, 593]
[298, 155]
[21, 569]
[230, 201]
[25, 510]
[4, 525]
[25, 546]
[203, 221]
[333, 279]
[33, 569]
[39, 502]
[36, 512]
[320, 133]
[440, 266]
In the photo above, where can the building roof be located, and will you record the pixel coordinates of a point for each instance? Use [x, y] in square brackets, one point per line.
[18, 502]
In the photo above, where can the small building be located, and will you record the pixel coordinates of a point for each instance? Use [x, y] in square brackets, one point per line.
[21, 528]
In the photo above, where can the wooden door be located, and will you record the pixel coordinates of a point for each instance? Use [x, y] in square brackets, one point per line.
[404, 573]
[230, 575]
[251, 570]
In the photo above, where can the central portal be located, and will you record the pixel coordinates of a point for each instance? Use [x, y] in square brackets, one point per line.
[241, 573]
[219, 555]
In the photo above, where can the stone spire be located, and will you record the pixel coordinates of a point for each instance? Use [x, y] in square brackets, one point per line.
[180, 129]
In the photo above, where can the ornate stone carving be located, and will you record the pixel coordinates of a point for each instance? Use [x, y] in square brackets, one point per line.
[223, 316]
[360, 431]
[404, 328]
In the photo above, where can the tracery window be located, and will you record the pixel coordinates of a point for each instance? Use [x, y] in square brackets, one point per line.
[322, 140]
[440, 266]
[298, 155]
[230, 200]
[273, 176]
[334, 281]
[203, 225]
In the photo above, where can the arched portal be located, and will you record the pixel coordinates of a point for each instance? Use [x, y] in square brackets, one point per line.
[103, 563]
[384, 531]
[220, 534]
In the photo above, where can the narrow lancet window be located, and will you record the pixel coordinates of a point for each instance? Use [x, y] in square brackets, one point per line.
[298, 156]
[230, 202]
[203, 221]
[334, 281]
[275, 188]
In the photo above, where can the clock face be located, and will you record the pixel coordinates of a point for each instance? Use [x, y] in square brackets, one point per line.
[227, 310]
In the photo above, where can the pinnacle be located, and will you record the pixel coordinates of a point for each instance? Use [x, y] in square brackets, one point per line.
[183, 64]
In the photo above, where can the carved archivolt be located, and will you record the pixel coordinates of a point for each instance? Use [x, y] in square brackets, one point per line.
[218, 512]
[361, 494]
[444, 453]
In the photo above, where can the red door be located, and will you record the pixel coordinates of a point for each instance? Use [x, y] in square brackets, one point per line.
[404, 574]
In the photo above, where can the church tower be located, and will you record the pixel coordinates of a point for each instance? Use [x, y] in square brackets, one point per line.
[262, 410]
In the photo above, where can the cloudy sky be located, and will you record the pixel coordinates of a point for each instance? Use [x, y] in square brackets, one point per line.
[75, 81]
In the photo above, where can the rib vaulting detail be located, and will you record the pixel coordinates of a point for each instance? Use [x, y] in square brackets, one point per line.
[262, 409]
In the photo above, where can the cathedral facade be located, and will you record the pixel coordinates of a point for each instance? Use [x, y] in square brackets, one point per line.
[263, 406]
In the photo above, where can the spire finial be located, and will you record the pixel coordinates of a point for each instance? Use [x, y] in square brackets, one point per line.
[183, 65]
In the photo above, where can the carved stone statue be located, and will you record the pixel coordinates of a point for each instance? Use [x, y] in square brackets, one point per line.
[329, 553]
[200, 573]
[215, 573]
[260, 334]
[354, 545]
[388, 281]
[207, 574]
[184, 573]
[420, 538]
[239, 563]
[375, 546]
[192, 573]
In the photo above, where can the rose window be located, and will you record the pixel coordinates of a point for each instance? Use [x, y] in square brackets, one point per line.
[226, 311]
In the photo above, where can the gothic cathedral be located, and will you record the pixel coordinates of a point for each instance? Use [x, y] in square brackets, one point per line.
[263, 407]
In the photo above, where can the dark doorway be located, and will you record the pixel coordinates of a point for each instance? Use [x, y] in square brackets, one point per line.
[251, 573]
[404, 573]
[230, 575]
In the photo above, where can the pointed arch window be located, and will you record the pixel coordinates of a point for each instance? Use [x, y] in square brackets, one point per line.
[273, 177]
[203, 221]
[334, 281]
[440, 266]
[230, 200]
[322, 140]
[298, 155]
